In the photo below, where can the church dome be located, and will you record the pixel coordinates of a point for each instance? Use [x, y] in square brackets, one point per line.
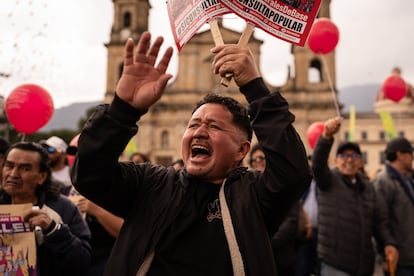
[410, 90]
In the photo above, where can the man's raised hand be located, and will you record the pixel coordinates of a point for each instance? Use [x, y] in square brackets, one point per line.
[143, 81]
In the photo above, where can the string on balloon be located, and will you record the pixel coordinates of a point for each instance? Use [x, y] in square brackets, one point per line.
[335, 99]
[323, 38]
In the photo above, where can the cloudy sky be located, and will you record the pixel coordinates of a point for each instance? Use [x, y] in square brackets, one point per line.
[60, 44]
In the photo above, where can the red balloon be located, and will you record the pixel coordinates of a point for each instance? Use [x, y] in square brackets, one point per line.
[394, 88]
[29, 107]
[313, 133]
[323, 36]
[73, 143]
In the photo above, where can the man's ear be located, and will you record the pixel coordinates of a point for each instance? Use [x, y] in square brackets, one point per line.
[42, 178]
[244, 150]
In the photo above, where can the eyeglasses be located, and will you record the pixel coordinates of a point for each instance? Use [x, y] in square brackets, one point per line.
[349, 155]
[258, 158]
[51, 150]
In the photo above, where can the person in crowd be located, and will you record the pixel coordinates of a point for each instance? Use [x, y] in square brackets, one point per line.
[214, 217]
[306, 257]
[283, 241]
[4, 146]
[56, 148]
[139, 157]
[395, 183]
[349, 212]
[105, 228]
[63, 243]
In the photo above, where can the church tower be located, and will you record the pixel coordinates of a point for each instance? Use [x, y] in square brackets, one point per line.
[130, 20]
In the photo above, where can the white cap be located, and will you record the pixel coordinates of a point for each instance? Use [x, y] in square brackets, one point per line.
[57, 143]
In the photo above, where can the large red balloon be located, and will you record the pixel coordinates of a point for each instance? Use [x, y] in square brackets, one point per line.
[313, 133]
[73, 143]
[394, 88]
[29, 107]
[323, 36]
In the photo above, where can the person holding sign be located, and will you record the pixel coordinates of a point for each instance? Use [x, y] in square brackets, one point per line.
[62, 236]
[214, 217]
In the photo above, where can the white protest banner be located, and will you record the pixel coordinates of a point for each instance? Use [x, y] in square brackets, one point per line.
[187, 17]
[289, 20]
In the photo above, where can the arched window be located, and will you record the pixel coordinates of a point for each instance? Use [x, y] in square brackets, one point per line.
[127, 19]
[165, 139]
[315, 71]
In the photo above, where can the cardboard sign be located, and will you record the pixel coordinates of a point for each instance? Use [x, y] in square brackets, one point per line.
[187, 17]
[289, 20]
[17, 241]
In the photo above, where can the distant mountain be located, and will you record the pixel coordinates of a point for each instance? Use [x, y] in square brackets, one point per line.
[361, 96]
[67, 117]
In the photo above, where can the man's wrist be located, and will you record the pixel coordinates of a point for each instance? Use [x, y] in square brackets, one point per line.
[53, 227]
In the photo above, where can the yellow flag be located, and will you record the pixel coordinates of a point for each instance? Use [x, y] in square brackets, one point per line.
[351, 133]
[388, 124]
[131, 147]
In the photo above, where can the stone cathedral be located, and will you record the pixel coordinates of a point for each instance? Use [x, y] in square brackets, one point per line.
[162, 127]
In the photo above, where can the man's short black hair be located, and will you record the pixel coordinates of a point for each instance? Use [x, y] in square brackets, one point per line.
[239, 112]
[4, 145]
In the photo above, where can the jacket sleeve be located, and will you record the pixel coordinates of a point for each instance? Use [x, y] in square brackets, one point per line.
[287, 172]
[320, 168]
[96, 172]
[382, 229]
[69, 244]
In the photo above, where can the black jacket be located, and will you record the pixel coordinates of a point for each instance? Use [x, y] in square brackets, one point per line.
[390, 185]
[349, 215]
[149, 197]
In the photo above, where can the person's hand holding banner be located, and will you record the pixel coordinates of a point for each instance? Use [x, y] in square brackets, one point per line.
[187, 17]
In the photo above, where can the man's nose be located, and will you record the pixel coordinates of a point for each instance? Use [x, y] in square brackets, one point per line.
[201, 131]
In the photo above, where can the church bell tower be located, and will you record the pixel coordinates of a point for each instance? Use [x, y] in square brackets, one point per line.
[130, 20]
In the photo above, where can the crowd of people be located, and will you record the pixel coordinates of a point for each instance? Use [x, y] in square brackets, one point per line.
[287, 213]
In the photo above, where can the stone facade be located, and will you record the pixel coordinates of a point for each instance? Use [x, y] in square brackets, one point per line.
[310, 89]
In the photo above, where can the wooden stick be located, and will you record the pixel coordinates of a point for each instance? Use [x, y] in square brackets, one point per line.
[243, 41]
[215, 31]
[218, 40]
[390, 267]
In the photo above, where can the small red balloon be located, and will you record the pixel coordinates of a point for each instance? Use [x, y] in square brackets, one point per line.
[394, 88]
[323, 36]
[314, 131]
[29, 107]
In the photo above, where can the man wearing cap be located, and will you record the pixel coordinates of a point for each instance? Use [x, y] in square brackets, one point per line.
[395, 183]
[56, 149]
[349, 213]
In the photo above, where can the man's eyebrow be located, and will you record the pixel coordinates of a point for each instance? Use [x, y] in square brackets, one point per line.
[18, 164]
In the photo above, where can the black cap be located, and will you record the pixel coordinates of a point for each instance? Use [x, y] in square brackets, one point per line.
[400, 144]
[348, 146]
